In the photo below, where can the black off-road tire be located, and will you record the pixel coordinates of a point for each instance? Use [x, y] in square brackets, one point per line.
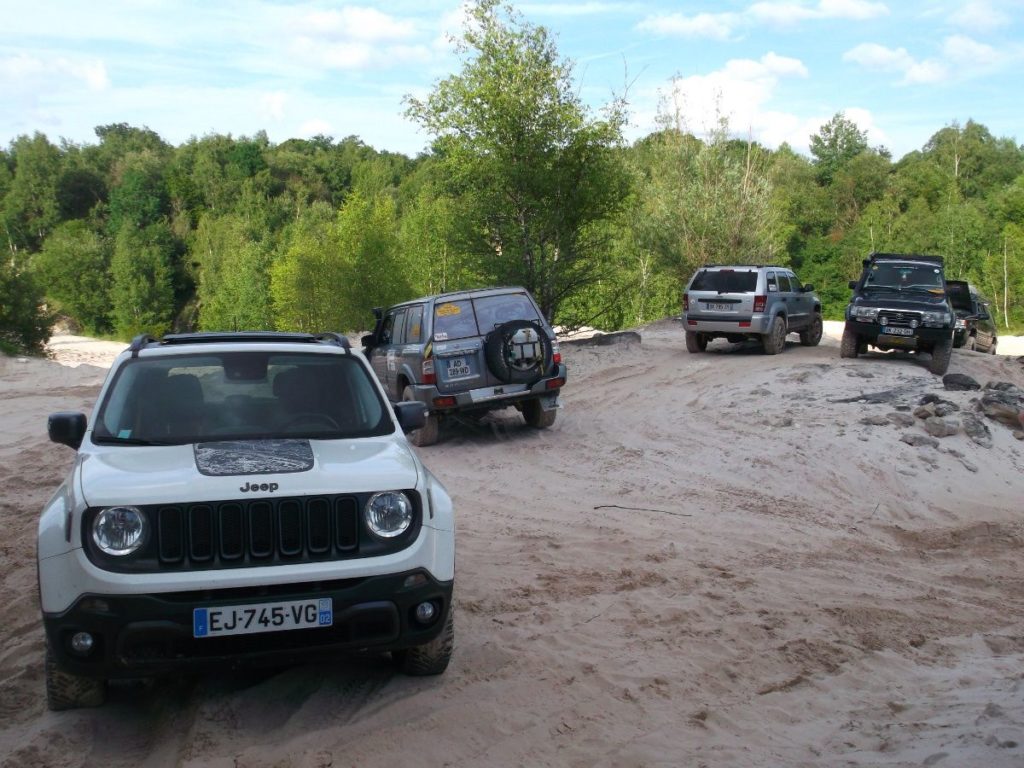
[536, 416]
[497, 347]
[971, 343]
[811, 336]
[430, 658]
[850, 345]
[696, 342]
[67, 691]
[429, 432]
[774, 341]
[941, 352]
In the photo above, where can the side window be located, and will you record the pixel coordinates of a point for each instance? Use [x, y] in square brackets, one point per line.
[798, 287]
[414, 325]
[398, 334]
[387, 330]
[773, 284]
[784, 283]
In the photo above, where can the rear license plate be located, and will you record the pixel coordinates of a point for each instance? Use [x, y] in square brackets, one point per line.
[716, 307]
[457, 368]
[898, 331]
[262, 617]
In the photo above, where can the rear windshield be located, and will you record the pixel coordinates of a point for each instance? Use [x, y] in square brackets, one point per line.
[193, 398]
[724, 281]
[478, 317]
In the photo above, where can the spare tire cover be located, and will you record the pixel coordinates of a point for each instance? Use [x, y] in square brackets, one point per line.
[518, 352]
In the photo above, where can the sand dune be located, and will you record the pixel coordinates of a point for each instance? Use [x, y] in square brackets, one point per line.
[706, 561]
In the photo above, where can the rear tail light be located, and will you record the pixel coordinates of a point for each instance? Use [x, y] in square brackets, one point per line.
[686, 302]
[427, 371]
[555, 383]
[759, 302]
[556, 356]
[444, 402]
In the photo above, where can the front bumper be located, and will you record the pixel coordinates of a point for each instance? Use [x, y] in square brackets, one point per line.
[870, 333]
[152, 635]
[487, 398]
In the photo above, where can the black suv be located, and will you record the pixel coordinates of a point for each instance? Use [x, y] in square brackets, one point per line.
[974, 326]
[900, 302]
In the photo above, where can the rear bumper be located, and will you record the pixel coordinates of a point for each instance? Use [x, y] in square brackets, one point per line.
[152, 635]
[487, 398]
[756, 324]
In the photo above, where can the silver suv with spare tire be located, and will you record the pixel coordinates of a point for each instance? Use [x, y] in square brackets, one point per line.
[468, 352]
[750, 301]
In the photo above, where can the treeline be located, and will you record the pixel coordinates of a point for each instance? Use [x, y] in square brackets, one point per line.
[522, 184]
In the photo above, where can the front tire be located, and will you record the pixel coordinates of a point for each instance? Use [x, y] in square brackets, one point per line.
[812, 336]
[536, 416]
[696, 342]
[774, 341]
[850, 345]
[429, 432]
[67, 691]
[430, 658]
[941, 352]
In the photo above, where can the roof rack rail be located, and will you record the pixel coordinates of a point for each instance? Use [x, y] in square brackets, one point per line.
[139, 342]
[754, 266]
[220, 337]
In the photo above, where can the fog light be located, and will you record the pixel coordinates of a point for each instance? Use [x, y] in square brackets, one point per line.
[82, 643]
[425, 613]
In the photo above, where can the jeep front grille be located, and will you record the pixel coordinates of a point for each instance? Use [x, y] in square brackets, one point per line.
[900, 319]
[248, 533]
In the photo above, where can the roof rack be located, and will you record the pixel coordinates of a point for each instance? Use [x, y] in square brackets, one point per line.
[220, 337]
[752, 266]
[904, 256]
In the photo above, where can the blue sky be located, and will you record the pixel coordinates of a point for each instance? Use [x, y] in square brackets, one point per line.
[777, 69]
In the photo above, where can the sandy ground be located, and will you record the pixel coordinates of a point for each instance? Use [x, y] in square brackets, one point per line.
[707, 561]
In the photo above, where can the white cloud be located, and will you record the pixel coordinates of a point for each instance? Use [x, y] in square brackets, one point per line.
[740, 92]
[716, 26]
[273, 104]
[355, 23]
[962, 50]
[723, 26]
[315, 127]
[788, 12]
[31, 71]
[980, 16]
[962, 57]
[573, 9]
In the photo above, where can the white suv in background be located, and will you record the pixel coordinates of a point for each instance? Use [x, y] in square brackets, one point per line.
[742, 301]
[241, 498]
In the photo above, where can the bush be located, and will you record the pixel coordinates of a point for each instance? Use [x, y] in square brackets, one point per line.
[25, 324]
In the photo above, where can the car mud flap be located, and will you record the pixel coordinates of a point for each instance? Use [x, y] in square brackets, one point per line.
[549, 402]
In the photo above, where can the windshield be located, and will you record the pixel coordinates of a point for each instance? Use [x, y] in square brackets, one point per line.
[240, 395]
[905, 276]
[725, 281]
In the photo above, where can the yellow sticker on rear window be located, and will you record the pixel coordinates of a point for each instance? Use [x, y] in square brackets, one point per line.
[448, 309]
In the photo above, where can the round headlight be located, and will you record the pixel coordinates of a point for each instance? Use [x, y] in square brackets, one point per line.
[119, 530]
[388, 514]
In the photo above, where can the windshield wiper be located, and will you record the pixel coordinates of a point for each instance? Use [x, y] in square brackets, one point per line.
[105, 439]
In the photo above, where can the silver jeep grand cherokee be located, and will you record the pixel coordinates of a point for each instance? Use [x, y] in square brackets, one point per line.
[468, 352]
[740, 302]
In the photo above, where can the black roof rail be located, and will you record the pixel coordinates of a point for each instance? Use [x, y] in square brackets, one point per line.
[906, 256]
[139, 342]
[219, 337]
[753, 266]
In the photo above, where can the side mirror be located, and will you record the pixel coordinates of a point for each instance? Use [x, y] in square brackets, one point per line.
[853, 285]
[411, 415]
[369, 340]
[66, 428]
[808, 288]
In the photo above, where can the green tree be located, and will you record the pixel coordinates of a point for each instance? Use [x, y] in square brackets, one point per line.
[24, 321]
[836, 143]
[31, 208]
[531, 168]
[143, 285]
[74, 268]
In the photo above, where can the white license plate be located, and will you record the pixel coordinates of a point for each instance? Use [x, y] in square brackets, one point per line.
[457, 368]
[898, 331]
[262, 617]
[716, 307]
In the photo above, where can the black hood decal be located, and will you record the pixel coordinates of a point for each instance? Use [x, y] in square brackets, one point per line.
[253, 457]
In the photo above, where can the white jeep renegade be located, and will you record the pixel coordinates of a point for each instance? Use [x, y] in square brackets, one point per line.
[241, 498]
